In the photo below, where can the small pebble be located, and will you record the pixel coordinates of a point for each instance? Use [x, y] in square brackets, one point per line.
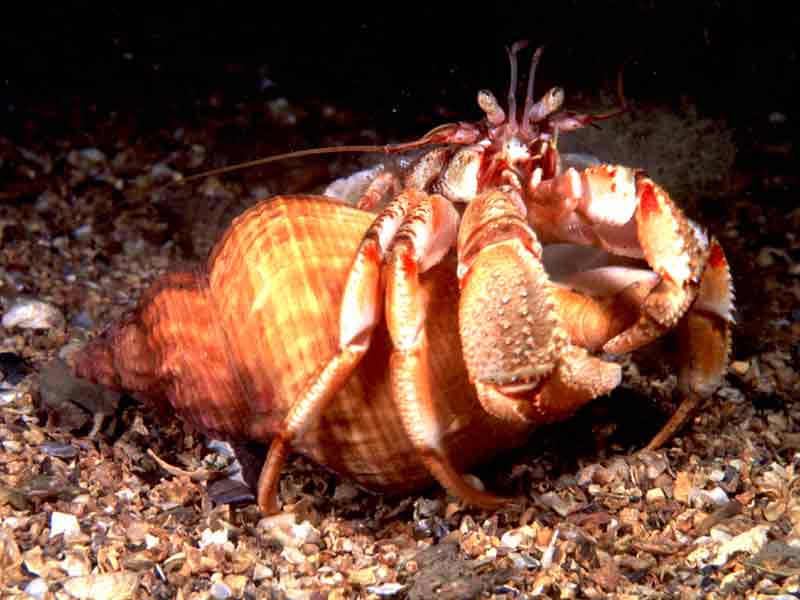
[345, 492]
[230, 491]
[8, 396]
[385, 589]
[220, 591]
[717, 496]
[425, 507]
[765, 258]
[14, 367]
[221, 448]
[511, 539]
[59, 450]
[119, 585]
[293, 555]
[208, 537]
[82, 320]
[523, 561]
[740, 367]
[83, 231]
[261, 572]
[305, 533]
[36, 588]
[656, 495]
[750, 542]
[777, 118]
[12, 446]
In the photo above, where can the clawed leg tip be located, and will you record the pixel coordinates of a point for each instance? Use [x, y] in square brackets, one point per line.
[486, 501]
[269, 509]
[654, 445]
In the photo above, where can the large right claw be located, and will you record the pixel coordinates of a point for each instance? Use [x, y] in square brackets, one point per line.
[518, 352]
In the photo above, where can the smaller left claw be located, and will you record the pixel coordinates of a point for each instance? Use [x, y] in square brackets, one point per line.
[625, 213]
[619, 210]
[677, 250]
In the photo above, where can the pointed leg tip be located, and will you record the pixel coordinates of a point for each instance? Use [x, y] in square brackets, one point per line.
[267, 488]
[676, 422]
[485, 500]
[269, 506]
[267, 498]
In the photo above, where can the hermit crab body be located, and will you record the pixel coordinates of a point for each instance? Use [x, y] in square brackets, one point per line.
[417, 333]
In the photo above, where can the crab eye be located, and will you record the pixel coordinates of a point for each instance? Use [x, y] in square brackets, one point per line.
[490, 105]
[554, 98]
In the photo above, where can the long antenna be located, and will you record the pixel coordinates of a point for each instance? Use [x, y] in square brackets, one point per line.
[288, 155]
[449, 133]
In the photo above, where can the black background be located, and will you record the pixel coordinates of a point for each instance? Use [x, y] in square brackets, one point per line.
[392, 61]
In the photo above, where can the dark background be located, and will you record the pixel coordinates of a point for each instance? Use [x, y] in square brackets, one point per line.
[391, 61]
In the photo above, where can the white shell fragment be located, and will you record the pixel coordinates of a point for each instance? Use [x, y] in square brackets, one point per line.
[30, 313]
[386, 589]
[8, 396]
[103, 586]
[718, 552]
[209, 537]
[64, 523]
[351, 188]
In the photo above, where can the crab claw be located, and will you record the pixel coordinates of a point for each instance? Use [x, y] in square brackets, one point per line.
[518, 353]
[688, 287]
[619, 210]
[677, 250]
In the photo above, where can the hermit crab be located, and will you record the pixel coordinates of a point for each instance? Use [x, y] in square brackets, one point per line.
[416, 333]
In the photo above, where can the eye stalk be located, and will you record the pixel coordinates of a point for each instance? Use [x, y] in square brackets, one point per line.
[509, 124]
[552, 101]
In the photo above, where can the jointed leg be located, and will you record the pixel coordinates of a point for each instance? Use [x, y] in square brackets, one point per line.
[705, 343]
[420, 244]
[704, 331]
[370, 199]
[625, 213]
[360, 313]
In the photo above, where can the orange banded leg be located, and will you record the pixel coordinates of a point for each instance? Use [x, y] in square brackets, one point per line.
[359, 314]
[422, 241]
[675, 251]
[626, 213]
[704, 331]
[371, 198]
[705, 343]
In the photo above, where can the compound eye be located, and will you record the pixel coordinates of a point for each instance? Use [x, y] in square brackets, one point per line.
[554, 98]
[490, 105]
